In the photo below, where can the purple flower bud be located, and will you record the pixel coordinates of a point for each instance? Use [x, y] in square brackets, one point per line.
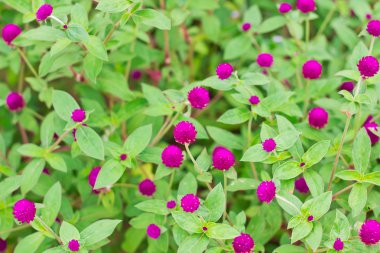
[153, 231]
[284, 8]
[185, 132]
[123, 157]
[371, 127]
[306, 6]
[373, 28]
[92, 178]
[254, 100]
[224, 71]
[190, 203]
[44, 12]
[24, 211]
[348, 86]
[264, 60]
[338, 244]
[222, 158]
[370, 232]
[15, 102]
[172, 156]
[269, 145]
[10, 32]
[312, 69]
[147, 187]
[74, 245]
[78, 115]
[171, 204]
[368, 66]
[136, 74]
[318, 117]
[310, 218]
[199, 97]
[246, 26]
[243, 243]
[301, 185]
[368, 16]
[266, 191]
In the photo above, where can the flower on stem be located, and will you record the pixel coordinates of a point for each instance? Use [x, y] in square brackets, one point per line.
[15, 102]
[338, 244]
[368, 66]
[171, 204]
[222, 158]
[373, 28]
[44, 12]
[172, 156]
[266, 191]
[348, 86]
[269, 145]
[74, 245]
[246, 26]
[78, 115]
[190, 203]
[153, 231]
[284, 7]
[243, 243]
[312, 69]
[318, 117]
[10, 32]
[310, 218]
[185, 132]
[224, 70]
[254, 100]
[92, 179]
[370, 232]
[264, 60]
[24, 211]
[301, 185]
[306, 6]
[198, 97]
[147, 187]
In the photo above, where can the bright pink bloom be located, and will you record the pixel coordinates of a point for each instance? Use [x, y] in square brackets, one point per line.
[371, 126]
[78, 115]
[190, 203]
[123, 157]
[10, 32]
[306, 6]
[246, 26]
[44, 12]
[15, 102]
[74, 245]
[199, 97]
[24, 211]
[92, 178]
[348, 86]
[318, 117]
[153, 231]
[224, 70]
[312, 69]
[254, 100]
[373, 28]
[370, 232]
[338, 244]
[285, 7]
[172, 156]
[222, 158]
[147, 187]
[243, 243]
[368, 66]
[171, 204]
[301, 185]
[185, 132]
[264, 60]
[266, 191]
[269, 145]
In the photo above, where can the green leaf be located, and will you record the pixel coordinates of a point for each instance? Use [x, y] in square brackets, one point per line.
[30, 243]
[194, 244]
[221, 231]
[318, 206]
[113, 6]
[243, 184]
[216, 203]
[341, 227]
[153, 206]
[47, 130]
[290, 203]
[372, 178]
[9, 185]
[271, 24]
[236, 47]
[204, 160]
[225, 138]
[96, 47]
[301, 231]
[76, 33]
[357, 199]
[188, 221]
[59, 46]
[255, 79]
[98, 231]
[31, 150]
[79, 15]
[235, 116]
[255, 153]
[56, 162]
[349, 175]
[314, 181]
[90, 142]
[138, 140]
[110, 173]
[187, 185]
[153, 18]
[315, 154]
[31, 174]
[315, 237]
[68, 232]
[52, 204]
[288, 170]
[361, 151]
[289, 249]
[64, 104]
[286, 140]
[92, 67]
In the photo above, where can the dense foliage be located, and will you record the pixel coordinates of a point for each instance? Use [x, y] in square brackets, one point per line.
[189, 126]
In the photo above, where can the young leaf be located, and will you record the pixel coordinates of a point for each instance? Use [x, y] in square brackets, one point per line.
[319, 205]
[52, 204]
[301, 231]
[194, 244]
[90, 142]
[153, 206]
[357, 198]
[96, 47]
[68, 232]
[255, 153]
[153, 18]
[31, 174]
[288, 170]
[221, 231]
[216, 203]
[235, 116]
[315, 154]
[138, 140]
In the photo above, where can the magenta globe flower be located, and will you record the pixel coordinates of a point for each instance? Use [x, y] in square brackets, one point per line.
[371, 127]
[24, 211]
[306, 6]
[222, 158]
[78, 115]
[15, 102]
[301, 185]
[190, 203]
[264, 60]
[185, 132]
[243, 243]
[44, 12]
[10, 32]
[348, 86]
[269, 145]
[74, 245]
[338, 245]
[312, 69]
[172, 156]
[368, 66]
[266, 191]
[153, 231]
[199, 97]
[370, 232]
[373, 28]
[318, 117]
[147, 187]
[284, 8]
[254, 100]
[92, 178]
[246, 26]
[224, 70]
[171, 204]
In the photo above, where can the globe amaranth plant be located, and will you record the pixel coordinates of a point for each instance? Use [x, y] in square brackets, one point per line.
[189, 126]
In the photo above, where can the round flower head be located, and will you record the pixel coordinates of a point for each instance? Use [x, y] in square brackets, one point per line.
[24, 211]
[368, 16]
[185, 132]
[285, 7]
[368, 66]
[371, 127]
[310, 218]
[254, 100]
[301, 185]
[264, 60]
[171, 204]
[78, 115]
[190, 203]
[312, 69]
[246, 26]
[92, 178]
[198, 97]
[243, 243]
[224, 71]
[153, 231]
[10, 32]
[266, 191]
[348, 86]
[147, 187]
[3, 245]
[15, 102]
[74, 245]
[172, 156]
[136, 74]
[338, 244]
[318, 117]
[44, 12]
[373, 28]
[370, 232]
[269, 145]
[306, 6]
[222, 158]
[123, 157]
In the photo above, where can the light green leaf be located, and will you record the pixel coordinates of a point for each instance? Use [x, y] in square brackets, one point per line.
[315, 154]
[271, 24]
[194, 244]
[221, 231]
[153, 18]
[68, 232]
[361, 151]
[98, 231]
[243, 184]
[235, 116]
[138, 140]
[301, 231]
[31, 174]
[288, 170]
[188, 221]
[29, 243]
[216, 203]
[357, 198]
[96, 47]
[153, 206]
[64, 104]
[255, 153]
[318, 206]
[90, 142]
[52, 204]
[110, 173]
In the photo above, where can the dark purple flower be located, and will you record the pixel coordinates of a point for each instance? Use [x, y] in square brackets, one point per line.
[147, 187]
[171, 204]
[78, 115]
[266, 191]
[199, 97]
[74, 245]
[269, 145]
[243, 243]
[348, 86]
[368, 16]
[153, 231]
[371, 127]
[301, 185]
[136, 74]
[285, 8]
[224, 70]
[310, 218]
[318, 117]
[312, 69]
[222, 158]
[338, 244]
[246, 26]
[10, 32]
[3, 245]
[92, 178]
[306, 6]
[24, 211]
[185, 132]
[264, 60]
[373, 28]
[123, 157]
[368, 66]
[172, 156]
[44, 12]
[15, 102]
[370, 232]
[190, 203]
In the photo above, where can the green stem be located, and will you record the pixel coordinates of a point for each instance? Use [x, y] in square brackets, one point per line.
[326, 21]
[14, 229]
[196, 164]
[225, 180]
[249, 139]
[307, 32]
[30, 66]
[48, 229]
[59, 140]
[342, 191]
